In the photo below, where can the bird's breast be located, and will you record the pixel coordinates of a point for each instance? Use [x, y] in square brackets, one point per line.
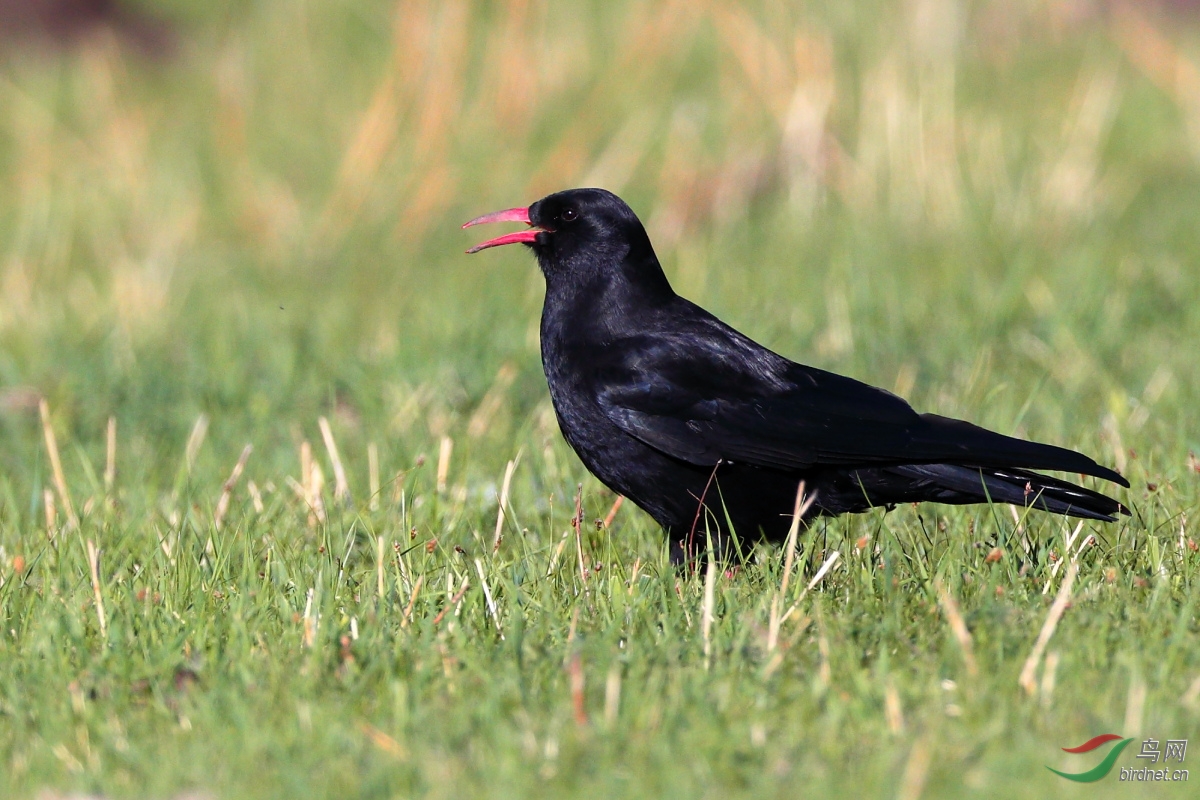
[596, 439]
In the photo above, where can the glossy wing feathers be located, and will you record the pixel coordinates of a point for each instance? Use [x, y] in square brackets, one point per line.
[716, 395]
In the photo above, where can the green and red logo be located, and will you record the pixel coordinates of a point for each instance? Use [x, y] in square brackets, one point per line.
[1104, 767]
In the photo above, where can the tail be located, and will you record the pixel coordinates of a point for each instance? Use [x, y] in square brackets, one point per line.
[955, 484]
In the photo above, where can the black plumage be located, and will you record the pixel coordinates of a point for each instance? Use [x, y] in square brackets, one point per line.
[674, 409]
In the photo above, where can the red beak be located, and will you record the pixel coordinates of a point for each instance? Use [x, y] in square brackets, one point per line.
[509, 215]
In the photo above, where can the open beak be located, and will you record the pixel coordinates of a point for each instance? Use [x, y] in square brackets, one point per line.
[509, 215]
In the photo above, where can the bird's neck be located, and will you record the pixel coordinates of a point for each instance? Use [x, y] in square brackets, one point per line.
[602, 304]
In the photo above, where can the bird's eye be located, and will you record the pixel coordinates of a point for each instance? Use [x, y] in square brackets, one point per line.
[569, 214]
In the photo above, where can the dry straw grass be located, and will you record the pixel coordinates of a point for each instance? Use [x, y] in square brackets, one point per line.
[778, 110]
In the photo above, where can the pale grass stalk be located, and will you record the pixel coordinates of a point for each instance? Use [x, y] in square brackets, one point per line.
[1049, 674]
[1191, 698]
[487, 596]
[341, 487]
[1066, 551]
[512, 95]
[617, 163]
[906, 379]
[958, 627]
[227, 489]
[612, 512]
[1158, 57]
[317, 482]
[1026, 681]
[360, 161]
[1135, 706]
[310, 625]
[612, 695]
[892, 711]
[255, 497]
[1073, 185]
[449, 662]
[299, 489]
[504, 487]
[373, 476]
[798, 510]
[306, 468]
[1087, 541]
[194, 442]
[384, 742]
[439, 92]
[454, 601]
[763, 66]
[164, 542]
[51, 514]
[93, 555]
[557, 554]
[412, 602]
[64, 755]
[443, 467]
[575, 672]
[492, 402]
[1113, 434]
[314, 485]
[403, 568]
[829, 564]
[577, 524]
[916, 770]
[60, 481]
[110, 452]
[706, 619]
[380, 550]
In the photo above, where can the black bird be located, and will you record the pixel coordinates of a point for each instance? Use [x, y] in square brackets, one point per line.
[707, 430]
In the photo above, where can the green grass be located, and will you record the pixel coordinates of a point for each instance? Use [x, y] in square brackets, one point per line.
[990, 210]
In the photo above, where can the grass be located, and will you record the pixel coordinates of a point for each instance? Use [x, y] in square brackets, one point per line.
[990, 210]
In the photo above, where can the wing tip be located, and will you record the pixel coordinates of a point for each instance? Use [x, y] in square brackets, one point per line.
[1110, 475]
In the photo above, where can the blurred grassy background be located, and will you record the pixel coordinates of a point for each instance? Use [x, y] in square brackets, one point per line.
[953, 200]
[249, 212]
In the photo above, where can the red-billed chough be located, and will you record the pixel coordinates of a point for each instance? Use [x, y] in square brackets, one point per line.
[682, 414]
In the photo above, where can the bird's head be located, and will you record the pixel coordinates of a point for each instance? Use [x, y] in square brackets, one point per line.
[580, 233]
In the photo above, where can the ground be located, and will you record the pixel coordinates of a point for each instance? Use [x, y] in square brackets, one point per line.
[989, 210]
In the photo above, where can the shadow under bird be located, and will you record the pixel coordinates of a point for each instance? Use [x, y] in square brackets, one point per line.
[710, 432]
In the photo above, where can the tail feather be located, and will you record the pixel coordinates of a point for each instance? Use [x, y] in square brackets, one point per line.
[955, 484]
[994, 451]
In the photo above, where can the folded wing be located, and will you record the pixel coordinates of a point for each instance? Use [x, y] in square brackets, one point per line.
[710, 403]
